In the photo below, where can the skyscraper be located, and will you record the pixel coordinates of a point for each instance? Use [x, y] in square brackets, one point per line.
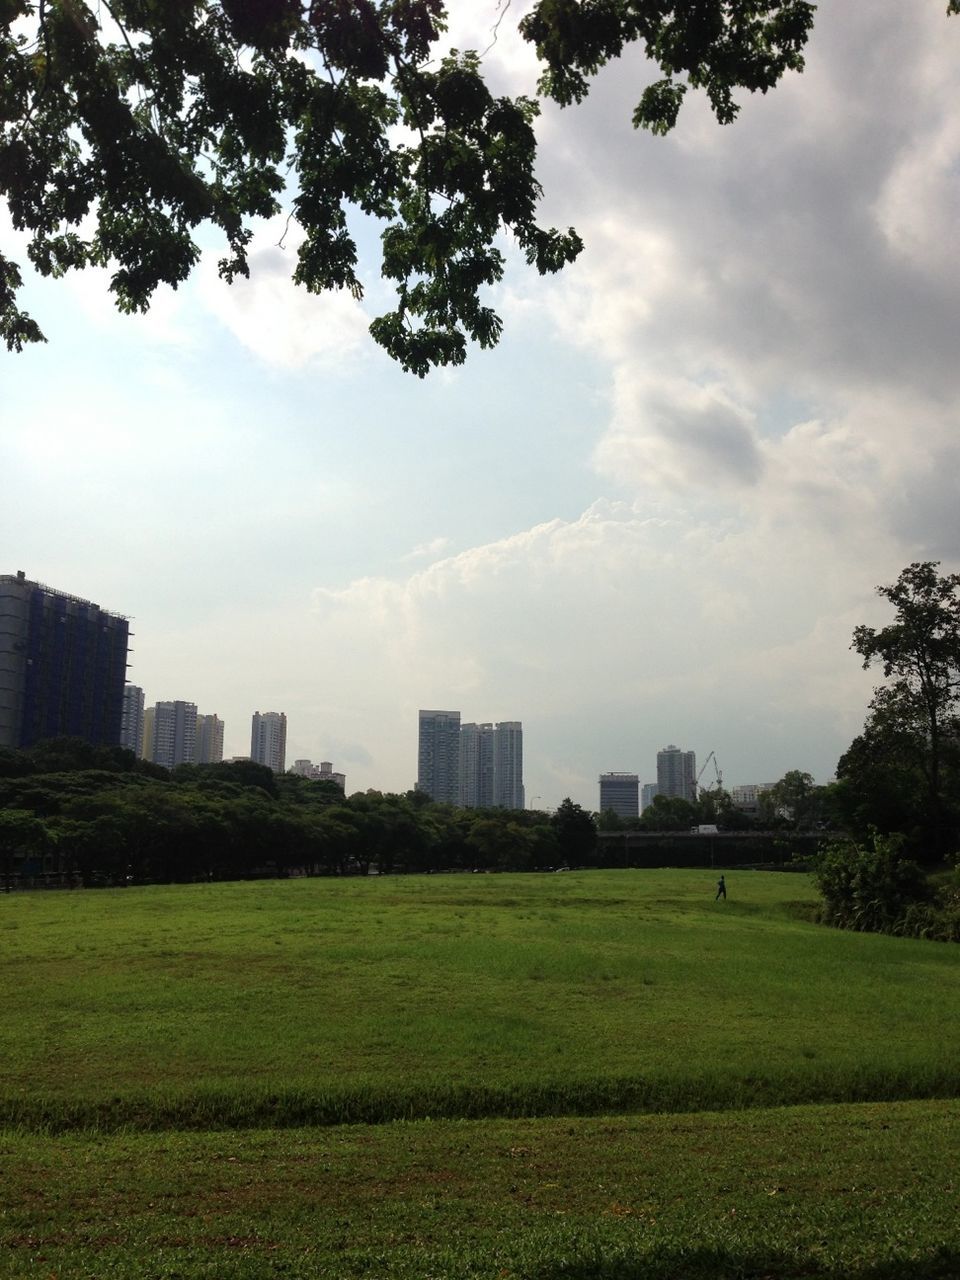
[131, 721]
[491, 765]
[268, 739]
[647, 793]
[620, 793]
[477, 757]
[478, 766]
[63, 665]
[170, 733]
[677, 773]
[508, 765]
[209, 741]
[438, 755]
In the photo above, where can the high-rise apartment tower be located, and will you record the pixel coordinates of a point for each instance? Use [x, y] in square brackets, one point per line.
[63, 665]
[491, 765]
[478, 766]
[677, 773]
[438, 755]
[209, 742]
[170, 733]
[131, 722]
[477, 757]
[268, 739]
[508, 790]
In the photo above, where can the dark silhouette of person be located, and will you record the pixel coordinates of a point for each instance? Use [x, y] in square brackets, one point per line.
[721, 889]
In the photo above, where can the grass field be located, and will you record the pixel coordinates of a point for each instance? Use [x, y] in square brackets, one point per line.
[860, 1191]
[163, 1051]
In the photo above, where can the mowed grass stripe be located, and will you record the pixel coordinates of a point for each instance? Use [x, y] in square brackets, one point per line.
[358, 1000]
[868, 1191]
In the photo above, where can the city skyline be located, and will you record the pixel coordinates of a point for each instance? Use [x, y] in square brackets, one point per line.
[476, 786]
[655, 513]
[478, 765]
[473, 765]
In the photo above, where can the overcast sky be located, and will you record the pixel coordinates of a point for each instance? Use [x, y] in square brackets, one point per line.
[653, 515]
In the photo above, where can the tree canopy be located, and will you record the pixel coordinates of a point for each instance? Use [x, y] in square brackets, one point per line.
[919, 706]
[71, 813]
[128, 125]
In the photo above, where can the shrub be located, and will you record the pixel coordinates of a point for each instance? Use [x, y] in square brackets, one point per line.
[871, 886]
[938, 919]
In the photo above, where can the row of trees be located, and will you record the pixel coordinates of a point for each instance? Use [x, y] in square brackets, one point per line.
[78, 813]
[71, 813]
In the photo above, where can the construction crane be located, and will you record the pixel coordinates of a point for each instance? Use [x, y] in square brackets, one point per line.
[719, 782]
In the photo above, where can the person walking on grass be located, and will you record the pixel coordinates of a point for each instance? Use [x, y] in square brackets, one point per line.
[721, 890]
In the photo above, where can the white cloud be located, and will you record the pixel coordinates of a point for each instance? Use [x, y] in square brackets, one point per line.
[490, 28]
[776, 301]
[781, 249]
[919, 204]
[424, 550]
[279, 321]
[668, 433]
[170, 319]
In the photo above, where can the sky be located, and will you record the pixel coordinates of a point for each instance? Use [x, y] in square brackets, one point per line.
[653, 515]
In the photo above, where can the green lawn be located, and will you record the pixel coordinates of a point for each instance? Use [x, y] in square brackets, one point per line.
[462, 995]
[560, 1065]
[867, 1191]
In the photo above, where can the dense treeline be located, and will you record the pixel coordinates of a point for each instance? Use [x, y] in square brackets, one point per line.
[76, 814]
[71, 813]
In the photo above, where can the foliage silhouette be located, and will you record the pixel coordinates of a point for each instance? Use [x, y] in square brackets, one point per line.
[126, 126]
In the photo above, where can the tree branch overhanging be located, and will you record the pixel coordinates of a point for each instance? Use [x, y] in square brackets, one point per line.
[243, 127]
